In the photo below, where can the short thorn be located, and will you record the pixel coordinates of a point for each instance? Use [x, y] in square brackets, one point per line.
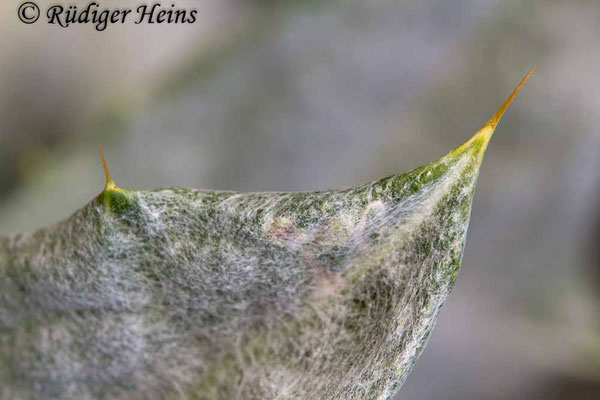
[110, 184]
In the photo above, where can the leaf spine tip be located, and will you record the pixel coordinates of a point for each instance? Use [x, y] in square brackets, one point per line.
[498, 114]
[110, 184]
[485, 132]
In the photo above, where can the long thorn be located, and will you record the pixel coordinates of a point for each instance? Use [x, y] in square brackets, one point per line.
[496, 117]
[487, 130]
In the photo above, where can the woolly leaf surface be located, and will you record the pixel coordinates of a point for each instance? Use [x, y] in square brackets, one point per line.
[177, 293]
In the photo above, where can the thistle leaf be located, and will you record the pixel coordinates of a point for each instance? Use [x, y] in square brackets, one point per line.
[197, 294]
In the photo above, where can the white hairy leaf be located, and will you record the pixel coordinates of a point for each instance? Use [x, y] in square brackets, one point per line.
[196, 294]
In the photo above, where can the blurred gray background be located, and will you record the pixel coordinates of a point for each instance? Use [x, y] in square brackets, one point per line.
[300, 95]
